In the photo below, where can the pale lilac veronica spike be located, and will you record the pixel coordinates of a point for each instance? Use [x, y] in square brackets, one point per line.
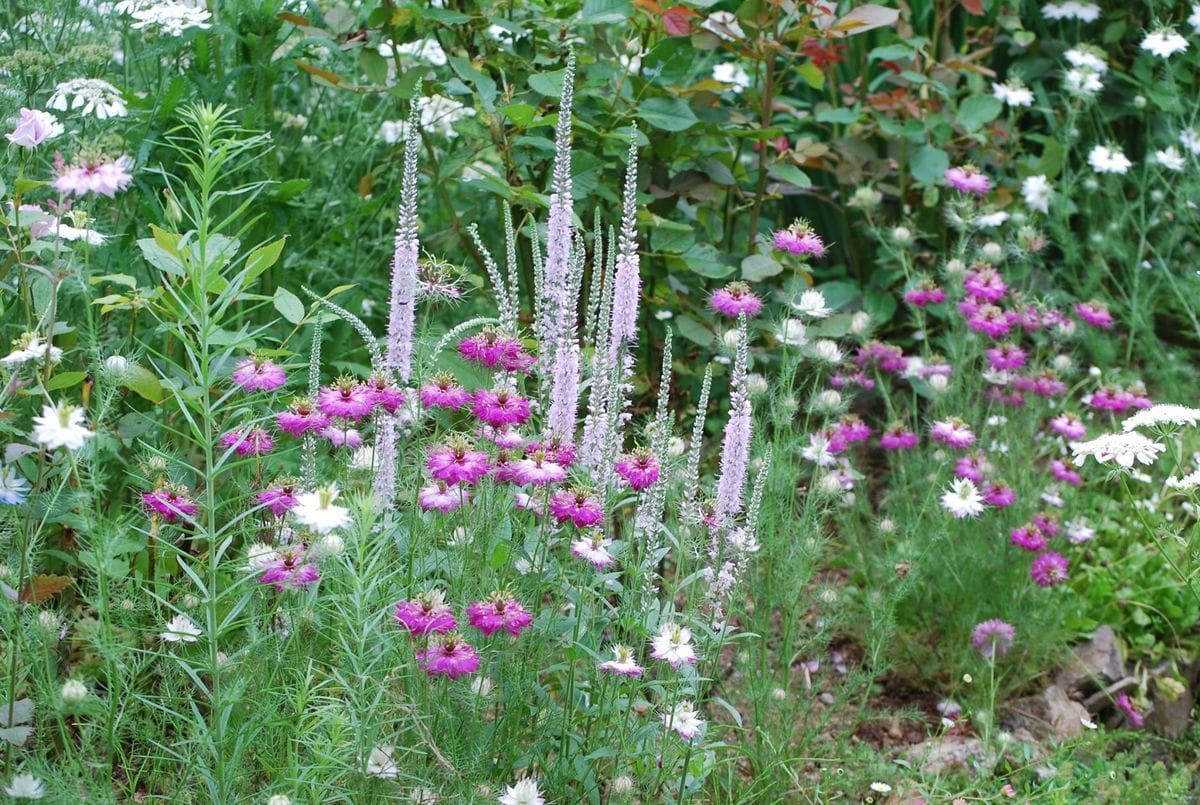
[405, 256]
[627, 283]
[564, 391]
[735, 447]
[384, 484]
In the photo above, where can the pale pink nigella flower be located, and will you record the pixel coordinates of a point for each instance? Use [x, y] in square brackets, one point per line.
[1095, 313]
[557, 450]
[442, 496]
[735, 299]
[953, 432]
[685, 720]
[255, 443]
[444, 391]
[506, 437]
[34, 128]
[624, 663]
[800, 239]
[339, 434]
[346, 398]
[301, 417]
[1060, 470]
[968, 179]
[290, 570]
[456, 463]
[1049, 569]
[449, 656]
[500, 407]
[170, 504]
[985, 284]
[579, 506]
[497, 613]
[673, 644]
[1079, 532]
[492, 349]
[993, 638]
[426, 614]
[594, 548]
[258, 374]
[639, 469]
[103, 178]
[1006, 357]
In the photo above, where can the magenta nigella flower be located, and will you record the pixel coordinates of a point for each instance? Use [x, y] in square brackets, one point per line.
[953, 432]
[985, 284]
[1063, 472]
[255, 443]
[577, 505]
[999, 495]
[990, 320]
[736, 298]
[455, 463]
[258, 374]
[346, 398]
[300, 418]
[279, 498]
[499, 612]
[1047, 524]
[993, 638]
[926, 293]
[444, 391]
[1047, 384]
[290, 570]
[442, 496]
[800, 239]
[623, 663]
[1110, 399]
[504, 468]
[386, 394]
[897, 437]
[972, 467]
[887, 357]
[170, 504]
[506, 438]
[534, 469]
[1048, 569]
[1006, 357]
[426, 614]
[339, 434]
[1028, 537]
[449, 656]
[492, 349]
[852, 429]
[500, 407]
[967, 179]
[1095, 313]
[1126, 706]
[557, 450]
[594, 548]
[639, 469]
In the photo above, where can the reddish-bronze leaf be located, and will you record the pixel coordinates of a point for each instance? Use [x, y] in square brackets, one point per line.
[332, 78]
[39, 588]
[677, 20]
[972, 6]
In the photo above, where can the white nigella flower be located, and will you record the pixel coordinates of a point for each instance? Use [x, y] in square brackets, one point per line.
[13, 488]
[991, 220]
[1190, 140]
[1164, 43]
[673, 643]
[792, 333]
[1089, 57]
[61, 425]
[317, 510]
[89, 95]
[731, 73]
[1164, 414]
[260, 556]
[724, 24]
[1124, 448]
[1013, 93]
[1037, 192]
[180, 629]
[1170, 158]
[962, 499]
[1082, 81]
[1108, 159]
[382, 763]
[812, 304]
[1071, 10]
[1078, 531]
[817, 450]
[881, 788]
[25, 786]
[523, 792]
[28, 347]
[685, 720]
[827, 350]
[1194, 19]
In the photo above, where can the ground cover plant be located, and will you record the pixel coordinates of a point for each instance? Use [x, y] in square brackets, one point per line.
[599, 401]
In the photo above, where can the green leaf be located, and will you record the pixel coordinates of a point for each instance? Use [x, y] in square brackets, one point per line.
[290, 189]
[977, 110]
[757, 267]
[119, 279]
[791, 174]
[65, 380]
[23, 186]
[289, 305]
[668, 114]
[374, 65]
[928, 164]
[445, 16]
[142, 382]
[598, 12]
[843, 116]
[522, 114]
[705, 260]
[812, 75]
[548, 84]
[693, 330]
[263, 258]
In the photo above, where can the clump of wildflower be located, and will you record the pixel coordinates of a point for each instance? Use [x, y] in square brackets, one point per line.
[456, 463]
[953, 432]
[450, 656]
[444, 391]
[799, 239]
[290, 570]
[302, 417]
[736, 299]
[926, 293]
[170, 504]
[1048, 569]
[1123, 448]
[685, 720]
[993, 638]
[577, 505]
[499, 407]
[1029, 537]
[90, 96]
[497, 613]
[346, 398]
[426, 614]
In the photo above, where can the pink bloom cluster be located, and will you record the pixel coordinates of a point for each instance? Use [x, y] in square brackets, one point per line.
[105, 178]
[799, 239]
[448, 654]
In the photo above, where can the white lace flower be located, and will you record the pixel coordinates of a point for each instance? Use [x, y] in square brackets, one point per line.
[1013, 93]
[1190, 140]
[1123, 448]
[523, 792]
[89, 95]
[171, 19]
[317, 510]
[793, 333]
[1170, 158]
[180, 629]
[1163, 414]
[1164, 43]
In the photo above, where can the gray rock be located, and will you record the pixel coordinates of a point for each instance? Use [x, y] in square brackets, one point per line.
[951, 751]
[1093, 664]
[1171, 706]
[1049, 716]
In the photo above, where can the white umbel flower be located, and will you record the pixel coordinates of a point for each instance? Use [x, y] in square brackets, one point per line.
[1071, 10]
[1164, 414]
[1108, 159]
[1089, 57]
[523, 792]
[171, 19]
[61, 426]
[180, 629]
[25, 786]
[1123, 448]
[1164, 43]
[92, 96]
[962, 499]
[317, 510]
